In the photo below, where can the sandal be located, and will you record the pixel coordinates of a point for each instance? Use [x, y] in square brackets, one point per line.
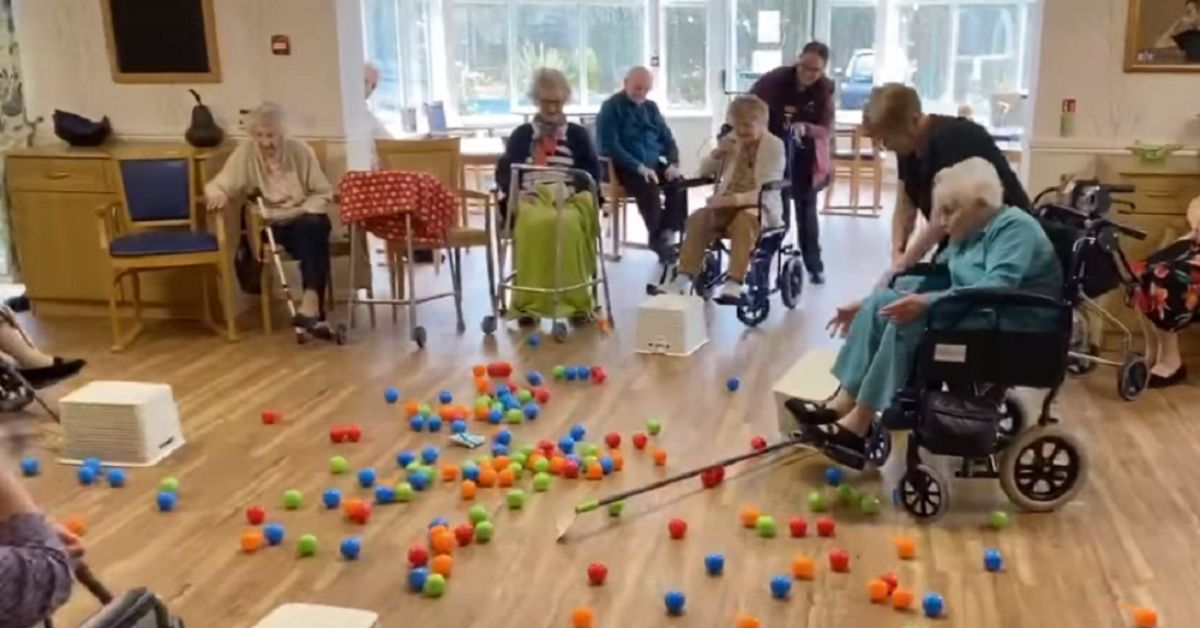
[808, 413]
[840, 445]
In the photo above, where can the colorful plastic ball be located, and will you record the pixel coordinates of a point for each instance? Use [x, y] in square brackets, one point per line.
[615, 509]
[583, 617]
[429, 455]
[115, 478]
[877, 590]
[425, 410]
[366, 478]
[292, 499]
[417, 578]
[515, 499]
[504, 437]
[833, 476]
[583, 372]
[732, 384]
[847, 495]
[933, 605]
[332, 498]
[86, 475]
[92, 462]
[534, 378]
[470, 471]
[30, 466]
[902, 598]
[495, 416]
[674, 601]
[765, 526]
[417, 423]
[816, 501]
[499, 449]
[445, 396]
[677, 528]
[566, 444]
[524, 395]
[781, 587]
[435, 585]
[273, 533]
[578, 432]
[640, 440]
[597, 573]
[534, 339]
[653, 427]
[570, 469]
[385, 494]
[1144, 617]
[405, 458]
[418, 556]
[869, 504]
[166, 501]
[531, 411]
[541, 465]
[351, 547]
[251, 541]
[434, 424]
[992, 560]
[458, 426]
[438, 521]
[749, 515]
[660, 457]
[998, 519]
[570, 374]
[484, 531]
[560, 372]
[419, 480]
[391, 395]
[746, 621]
[606, 463]
[588, 449]
[514, 416]
[541, 481]
[714, 564]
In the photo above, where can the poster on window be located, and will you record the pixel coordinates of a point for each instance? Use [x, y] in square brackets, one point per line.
[769, 27]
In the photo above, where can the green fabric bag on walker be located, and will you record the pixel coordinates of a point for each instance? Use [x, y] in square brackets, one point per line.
[537, 229]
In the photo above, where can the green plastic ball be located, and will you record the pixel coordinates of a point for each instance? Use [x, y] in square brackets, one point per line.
[413, 467]
[615, 508]
[527, 449]
[588, 449]
[338, 465]
[524, 396]
[541, 481]
[541, 465]
[516, 499]
[404, 492]
[560, 372]
[816, 501]
[516, 467]
[292, 499]
[998, 519]
[307, 545]
[483, 400]
[478, 514]
[514, 416]
[483, 460]
[869, 505]
[435, 585]
[589, 461]
[497, 406]
[425, 409]
[484, 530]
[847, 494]
[169, 484]
[519, 458]
[765, 526]
[654, 426]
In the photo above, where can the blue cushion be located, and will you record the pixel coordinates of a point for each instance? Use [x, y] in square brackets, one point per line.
[156, 189]
[162, 243]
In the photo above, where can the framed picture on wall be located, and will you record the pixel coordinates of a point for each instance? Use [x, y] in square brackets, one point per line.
[161, 41]
[1163, 36]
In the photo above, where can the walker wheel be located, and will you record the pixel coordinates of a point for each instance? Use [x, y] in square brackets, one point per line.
[1133, 377]
[419, 336]
[1043, 468]
[924, 493]
[559, 331]
[1080, 366]
[791, 282]
[488, 325]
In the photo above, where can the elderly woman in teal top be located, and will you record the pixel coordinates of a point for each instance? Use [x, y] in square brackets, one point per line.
[991, 246]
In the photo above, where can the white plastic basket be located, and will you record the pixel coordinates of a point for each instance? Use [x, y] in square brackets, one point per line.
[317, 616]
[810, 379]
[121, 423]
[671, 324]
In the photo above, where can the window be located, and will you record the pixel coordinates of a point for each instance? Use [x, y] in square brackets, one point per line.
[547, 36]
[767, 34]
[396, 36]
[615, 42]
[481, 59]
[924, 32]
[851, 31]
[685, 55]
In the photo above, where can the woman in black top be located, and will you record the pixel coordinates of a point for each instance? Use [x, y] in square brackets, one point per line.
[925, 144]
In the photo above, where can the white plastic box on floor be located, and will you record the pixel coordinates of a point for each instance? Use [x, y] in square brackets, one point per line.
[317, 616]
[121, 423]
[671, 324]
[809, 379]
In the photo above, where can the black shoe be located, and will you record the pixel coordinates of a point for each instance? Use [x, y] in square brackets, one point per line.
[18, 303]
[816, 277]
[1157, 381]
[808, 413]
[49, 375]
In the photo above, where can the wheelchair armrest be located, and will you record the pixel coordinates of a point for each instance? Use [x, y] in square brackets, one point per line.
[1000, 297]
[921, 269]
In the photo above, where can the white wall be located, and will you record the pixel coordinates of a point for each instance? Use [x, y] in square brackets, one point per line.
[66, 66]
[1082, 57]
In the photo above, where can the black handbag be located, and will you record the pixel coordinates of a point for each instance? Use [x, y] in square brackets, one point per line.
[958, 425]
[77, 130]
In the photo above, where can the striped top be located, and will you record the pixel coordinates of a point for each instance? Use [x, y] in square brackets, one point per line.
[551, 152]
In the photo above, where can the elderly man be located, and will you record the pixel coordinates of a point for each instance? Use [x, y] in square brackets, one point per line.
[633, 133]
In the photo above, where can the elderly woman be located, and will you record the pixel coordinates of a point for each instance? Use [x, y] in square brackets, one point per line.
[296, 196]
[549, 140]
[991, 245]
[38, 368]
[746, 159]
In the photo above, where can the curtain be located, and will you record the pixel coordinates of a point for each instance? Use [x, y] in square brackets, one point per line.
[15, 129]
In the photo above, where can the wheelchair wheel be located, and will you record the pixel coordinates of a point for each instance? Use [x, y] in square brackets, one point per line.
[1132, 377]
[488, 325]
[924, 493]
[1043, 468]
[14, 393]
[879, 446]
[791, 282]
[1011, 424]
[753, 309]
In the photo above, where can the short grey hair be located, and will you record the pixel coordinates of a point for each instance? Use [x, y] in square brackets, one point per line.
[972, 183]
[549, 78]
[266, 114]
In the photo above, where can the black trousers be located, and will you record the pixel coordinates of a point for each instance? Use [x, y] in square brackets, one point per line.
[306, 239]
[804, 196]
[662, 208]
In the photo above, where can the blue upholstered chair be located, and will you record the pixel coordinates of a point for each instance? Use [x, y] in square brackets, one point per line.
[158, 225]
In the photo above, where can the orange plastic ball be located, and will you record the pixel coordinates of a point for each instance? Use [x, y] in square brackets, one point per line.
[436, 530]
[251, 541]
[76, 525]
[446, 413]
[505, 478]
[351, 506]
[532, 460]
[442, 563]
[749, 516]
[660, 457]
[747, 621]
[443, 543]
[500, 463]
[481, 412]
[556, 465]
[468, 490]
[583, 617]
[449, 472]
[411, 408]
[804, 568]
[595, 471]
[487, 477]
[902, 599]
[479, 370]
[1144, 617]
[618, 460]
[482, 385]
[906, 548]
[877, 590]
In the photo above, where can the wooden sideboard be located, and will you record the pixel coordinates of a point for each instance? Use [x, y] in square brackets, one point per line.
[53, 193]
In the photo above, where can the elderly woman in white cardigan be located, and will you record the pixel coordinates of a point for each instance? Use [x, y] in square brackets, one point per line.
[746, 160]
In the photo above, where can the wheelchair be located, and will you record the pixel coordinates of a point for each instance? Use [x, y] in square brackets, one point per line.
[774, 265]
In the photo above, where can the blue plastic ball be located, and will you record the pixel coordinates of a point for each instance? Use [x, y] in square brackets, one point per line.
[92, 462]
[578, 432]
[458, 426]
[570, 374]
[510, 403]
[366, 478]
[429, 455]
[534, 378]
[504, 437]
[332, 498]
[583, 372]
[405, 458]
[30, 466]
[833, 475]
[116, 478]
[445, 396]
[351, 548]
[714, 564]
[384, 494]
[531, 411]
[434, 424]
[733, 384]
[499, 449]
[606, 464]
[87, 475]
[391, 395]
[495, 416]
[166, 501]
[674, 601]
[470, 472]
[781, 587]
[274, 533]
[992, 560]
[417, 423]
[417, 578]
[566, 444]
[419, 480]
[535, 339]
[438, 521]
[933, 605]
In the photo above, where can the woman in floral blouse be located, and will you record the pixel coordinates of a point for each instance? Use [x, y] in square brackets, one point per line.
[1169, 295]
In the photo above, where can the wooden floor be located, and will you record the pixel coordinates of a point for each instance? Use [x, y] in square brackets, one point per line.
[1128, 539]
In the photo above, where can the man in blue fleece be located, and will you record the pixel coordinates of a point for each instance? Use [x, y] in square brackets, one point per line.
[633, 133]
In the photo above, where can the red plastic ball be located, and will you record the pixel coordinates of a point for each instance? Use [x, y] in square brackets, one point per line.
[570, 469]
[677, 528]
[546, 447]
[839, 560]
[542, 395]
[891, 580]
[798, 527]
[758, 443]
[353, 433]
[256, 515]
[337, 434]
[418, 556]
[271, 417]
[495, 370]
[464, 533]
[597, 573]
[825, 526]
[358, 511]
[613, 440]
[599, 375]
[711, 477]
[640, 440]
